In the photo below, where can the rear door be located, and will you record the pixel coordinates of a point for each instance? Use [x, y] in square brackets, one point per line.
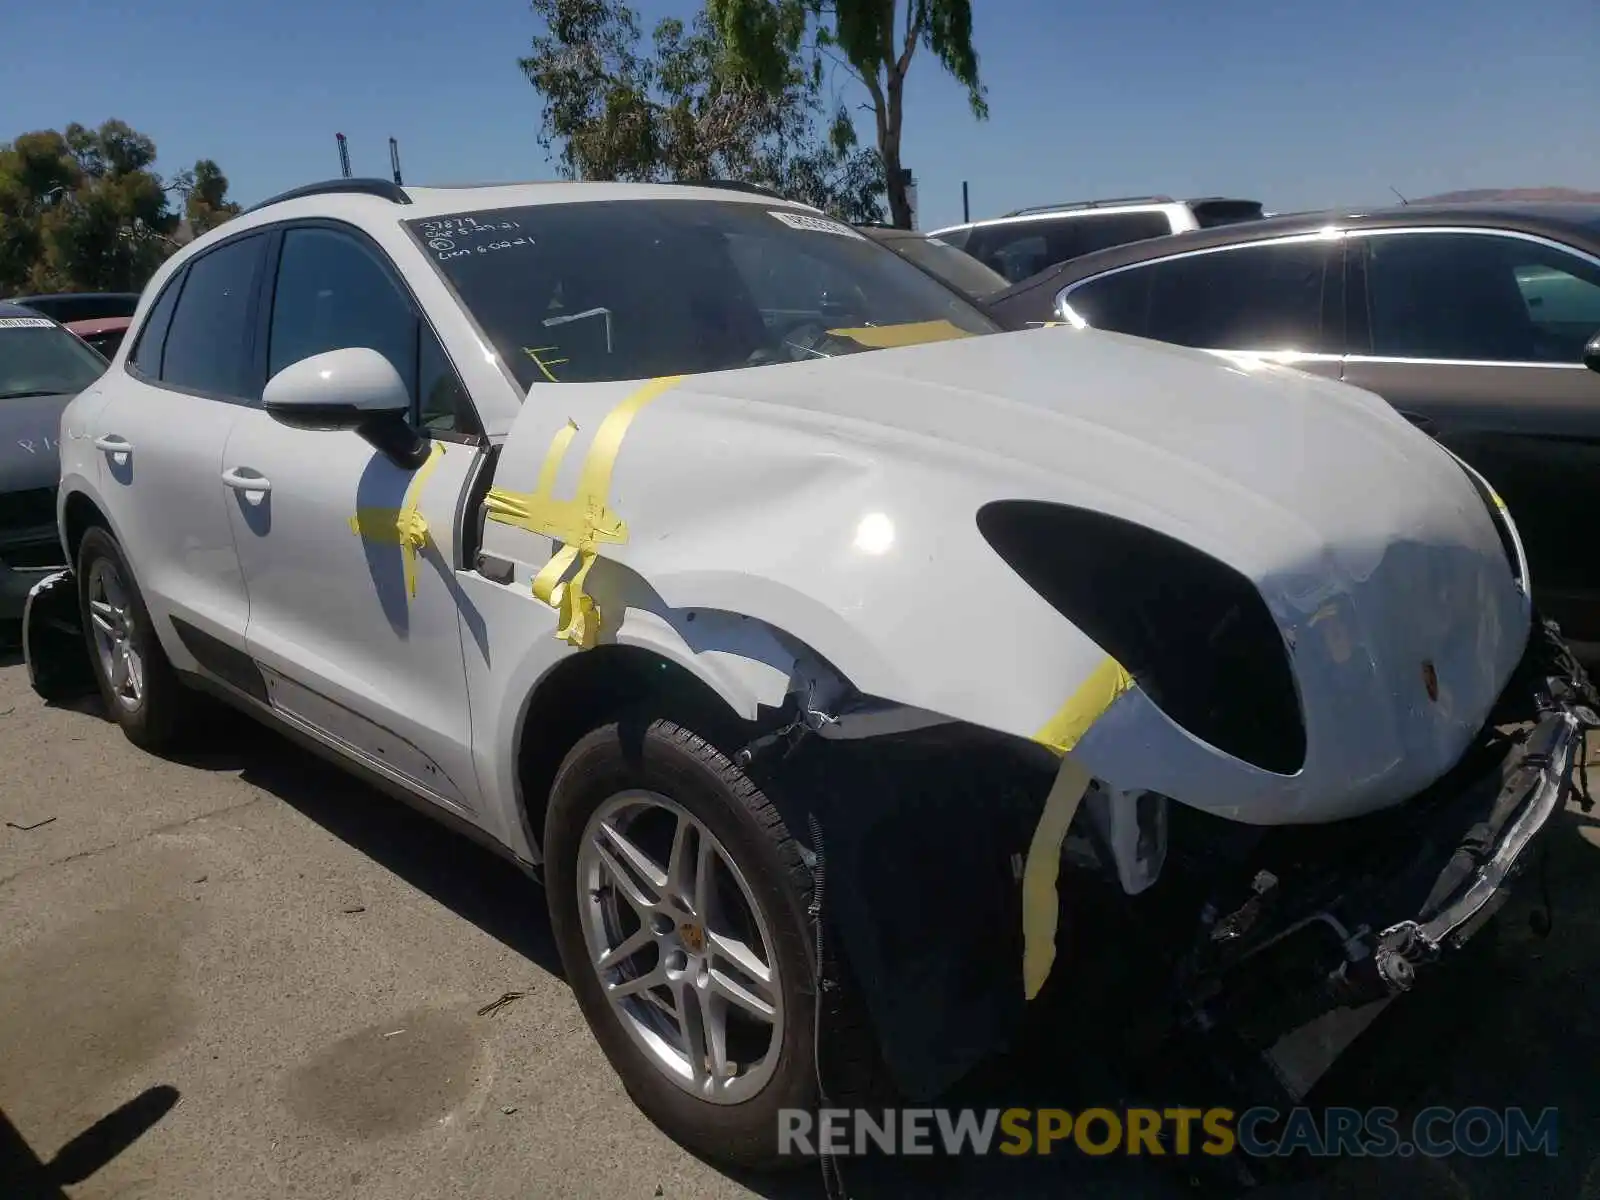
[358, 638]
[160, 437]
[1478, 335]
[1281, 300]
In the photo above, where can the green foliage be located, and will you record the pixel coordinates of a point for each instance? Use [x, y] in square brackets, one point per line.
[873, 40]
[681, 107]
[82, 210]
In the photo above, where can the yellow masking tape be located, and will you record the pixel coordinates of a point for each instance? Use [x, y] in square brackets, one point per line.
[914, 333]
[1039, 874]
[580, 524]
[405, 526]
[1083, 708]
[1041, 869]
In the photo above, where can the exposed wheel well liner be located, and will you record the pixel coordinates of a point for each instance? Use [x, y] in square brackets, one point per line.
[588, 690]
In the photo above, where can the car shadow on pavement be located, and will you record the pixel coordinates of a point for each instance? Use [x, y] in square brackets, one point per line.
[472, 881]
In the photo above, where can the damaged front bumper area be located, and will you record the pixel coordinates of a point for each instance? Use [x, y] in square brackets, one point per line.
[1245, 938]
[1318, 921]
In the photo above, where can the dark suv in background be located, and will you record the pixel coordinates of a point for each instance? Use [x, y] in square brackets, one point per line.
[1474, 320]
[42, 367]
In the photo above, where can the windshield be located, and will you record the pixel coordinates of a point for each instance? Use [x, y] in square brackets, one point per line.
[956, 267]
[39, 358]
[574, 293]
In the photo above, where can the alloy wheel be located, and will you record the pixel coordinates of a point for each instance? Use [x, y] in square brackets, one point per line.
[682, 950]
[111, 621]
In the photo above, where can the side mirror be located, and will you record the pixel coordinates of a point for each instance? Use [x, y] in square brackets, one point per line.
[355, 388]
[1591, 353]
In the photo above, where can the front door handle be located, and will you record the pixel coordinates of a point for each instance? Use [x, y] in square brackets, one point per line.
[239, 482]
[115, 444]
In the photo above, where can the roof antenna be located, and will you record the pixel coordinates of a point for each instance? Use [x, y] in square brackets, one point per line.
[1396, 191]
[394, 158]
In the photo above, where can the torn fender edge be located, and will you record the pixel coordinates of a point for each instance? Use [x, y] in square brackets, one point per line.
[53, 646]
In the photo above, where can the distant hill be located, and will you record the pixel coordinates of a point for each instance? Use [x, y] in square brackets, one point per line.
[1543, 193]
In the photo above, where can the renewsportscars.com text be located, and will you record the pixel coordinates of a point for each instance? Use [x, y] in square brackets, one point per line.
[1259, 1132]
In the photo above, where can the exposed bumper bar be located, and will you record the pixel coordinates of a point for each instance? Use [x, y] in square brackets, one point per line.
[1550, 756]
[1396, 893]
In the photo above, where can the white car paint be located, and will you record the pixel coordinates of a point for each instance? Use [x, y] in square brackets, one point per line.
[809, 527]
[1178, 214]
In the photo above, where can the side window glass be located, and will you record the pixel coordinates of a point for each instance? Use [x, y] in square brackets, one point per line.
[443, 403]
[1015, 253]
[332, 294]
[146, 356]
[1100, 231]
[1563, 298]
[1119, 302]
[209, 343]
[1252, 298]
[1479, 297]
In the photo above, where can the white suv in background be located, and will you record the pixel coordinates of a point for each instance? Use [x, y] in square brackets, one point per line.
[1025, 242]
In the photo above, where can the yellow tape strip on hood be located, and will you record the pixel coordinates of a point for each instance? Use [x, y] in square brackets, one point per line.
[580, 524]
[405, 526]
[913, 333]
[1041, 870]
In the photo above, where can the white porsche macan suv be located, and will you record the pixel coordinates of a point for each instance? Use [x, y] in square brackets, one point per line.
[744, 583]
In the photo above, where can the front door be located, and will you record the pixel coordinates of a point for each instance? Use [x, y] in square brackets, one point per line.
[1478, 337]
[355, 631]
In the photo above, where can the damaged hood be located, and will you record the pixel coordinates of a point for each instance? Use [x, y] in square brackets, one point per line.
[836, 501]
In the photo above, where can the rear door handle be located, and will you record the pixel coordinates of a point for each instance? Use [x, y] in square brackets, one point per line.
[246, 483]
[113, 443]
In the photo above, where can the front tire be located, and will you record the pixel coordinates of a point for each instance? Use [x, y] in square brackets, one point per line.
[678, 902]
[141, 691]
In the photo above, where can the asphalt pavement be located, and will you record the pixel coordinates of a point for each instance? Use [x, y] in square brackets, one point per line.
[243, 975]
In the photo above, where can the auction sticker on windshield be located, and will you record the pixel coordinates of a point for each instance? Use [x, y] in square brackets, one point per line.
[26, 323]
[815, 224]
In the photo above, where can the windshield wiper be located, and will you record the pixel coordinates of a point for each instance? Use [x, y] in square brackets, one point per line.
[23, 395]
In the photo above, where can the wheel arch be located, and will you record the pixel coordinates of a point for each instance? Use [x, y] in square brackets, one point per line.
[725, 675]
[585, 691]
[80, 511]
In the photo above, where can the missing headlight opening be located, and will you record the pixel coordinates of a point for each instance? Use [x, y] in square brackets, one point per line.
[1194, 633]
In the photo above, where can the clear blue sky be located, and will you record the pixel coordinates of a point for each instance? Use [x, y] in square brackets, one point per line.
[1294, 102]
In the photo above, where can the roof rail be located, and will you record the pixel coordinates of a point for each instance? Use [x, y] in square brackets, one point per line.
[1075, 204]
[732, 185]
[384, 189]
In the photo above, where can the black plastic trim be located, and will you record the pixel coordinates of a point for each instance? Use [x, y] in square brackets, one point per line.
[234, 667]
[384, 189]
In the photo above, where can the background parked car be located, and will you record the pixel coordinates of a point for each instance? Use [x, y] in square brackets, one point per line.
[42, 367]
[940, 259]
[1025, 242]
[1472, 320]
[81, 306]
[103, 333]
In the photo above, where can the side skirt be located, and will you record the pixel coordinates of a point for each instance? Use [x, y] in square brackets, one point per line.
[385, 783]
